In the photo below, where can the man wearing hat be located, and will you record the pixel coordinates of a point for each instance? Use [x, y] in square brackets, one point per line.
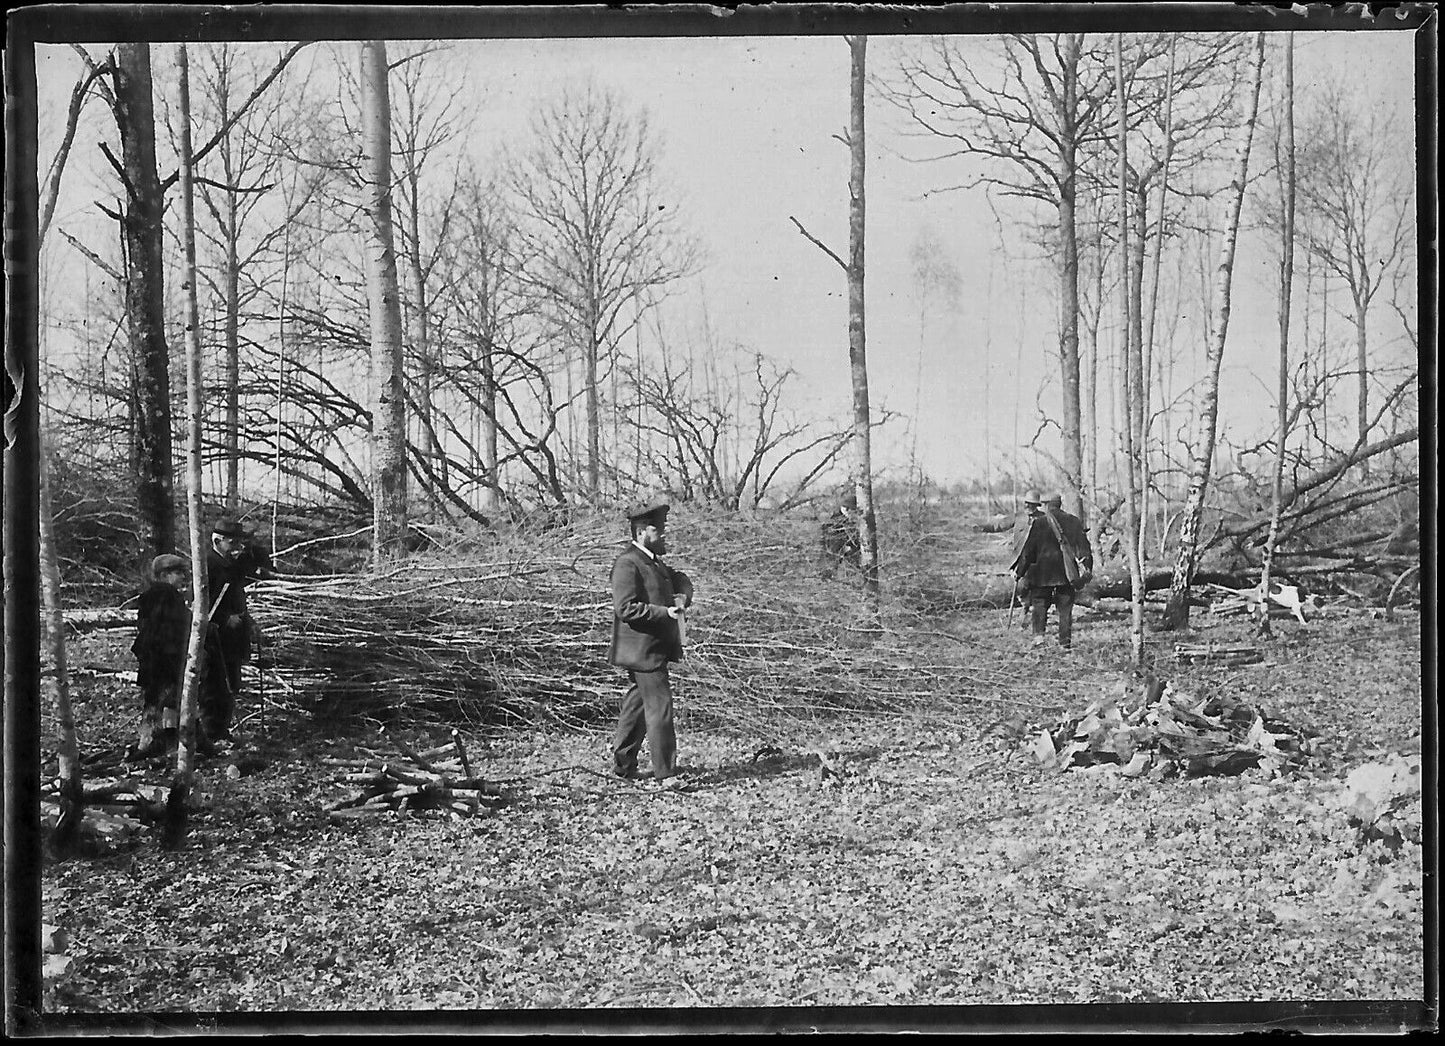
[1040, 564]
[230, 566]
[1033, 508]
[648, 600]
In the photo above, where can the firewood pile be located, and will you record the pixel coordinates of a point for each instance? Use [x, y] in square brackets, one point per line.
[1161, 731]
[435, 781]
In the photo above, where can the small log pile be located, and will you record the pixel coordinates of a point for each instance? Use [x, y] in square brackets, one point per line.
[436, 781]
[1162, 731]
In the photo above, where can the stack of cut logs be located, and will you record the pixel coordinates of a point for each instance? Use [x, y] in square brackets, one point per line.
[437, 780]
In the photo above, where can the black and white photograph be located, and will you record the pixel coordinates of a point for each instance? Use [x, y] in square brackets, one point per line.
[693, 519]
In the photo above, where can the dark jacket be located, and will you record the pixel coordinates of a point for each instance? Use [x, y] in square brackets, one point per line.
[1041, 563]
[644, 637]
[840, 537]
[163, 631]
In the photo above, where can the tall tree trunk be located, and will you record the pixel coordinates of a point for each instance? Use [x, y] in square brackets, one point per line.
[1176, 611]
[492, 492]
[177, 804]
[1069, 279]
[1362, 405]
[232, 286]
[57, 681]
[142, 228]
[388, 411]
[1146, 481]
[857, 328]
[421, 343]
[1286, 284]
[20, 545]
[1131, 273]
[594, 409]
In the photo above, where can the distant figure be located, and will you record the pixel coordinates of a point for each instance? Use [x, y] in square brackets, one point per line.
[163, 629]
[1033, 507]
[648, 601]
[1040, 564]
[841, 542]
[231, 565]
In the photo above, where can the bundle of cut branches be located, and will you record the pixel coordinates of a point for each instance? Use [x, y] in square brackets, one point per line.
[517, 631]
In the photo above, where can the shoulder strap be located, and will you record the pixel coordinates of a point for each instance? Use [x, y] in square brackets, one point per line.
[1064, 545]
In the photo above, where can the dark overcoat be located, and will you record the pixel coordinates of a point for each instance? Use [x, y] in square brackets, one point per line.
[163, 630]
[1041, 563]
[644, 637]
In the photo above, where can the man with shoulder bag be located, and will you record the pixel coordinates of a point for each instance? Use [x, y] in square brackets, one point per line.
[1055, 562]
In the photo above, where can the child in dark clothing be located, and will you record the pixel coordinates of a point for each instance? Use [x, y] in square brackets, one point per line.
[163, 621]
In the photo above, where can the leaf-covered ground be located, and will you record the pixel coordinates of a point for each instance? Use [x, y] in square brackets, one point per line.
[896, 860]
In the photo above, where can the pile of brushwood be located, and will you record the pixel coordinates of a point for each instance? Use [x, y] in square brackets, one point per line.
[516, 630]
[1160, 731]
[438, 781]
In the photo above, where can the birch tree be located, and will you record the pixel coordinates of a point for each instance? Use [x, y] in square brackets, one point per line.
[1176, 612]
[1285, 165]
[177, 803]
[854, 270]
[1132, 394]
[388, 404]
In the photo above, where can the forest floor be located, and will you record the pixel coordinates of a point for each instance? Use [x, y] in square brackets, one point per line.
[934, 864]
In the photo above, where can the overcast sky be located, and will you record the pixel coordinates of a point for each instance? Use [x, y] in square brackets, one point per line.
[745, 128]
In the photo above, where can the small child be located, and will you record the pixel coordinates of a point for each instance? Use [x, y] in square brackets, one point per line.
[163, 621]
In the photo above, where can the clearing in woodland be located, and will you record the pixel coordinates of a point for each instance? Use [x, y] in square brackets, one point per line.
[870, 818]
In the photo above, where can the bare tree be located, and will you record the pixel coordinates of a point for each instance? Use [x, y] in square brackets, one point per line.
[1176, 613]
[1354, 209]
[854, 269]
[388, 409]
[1285, 165]
[1042, 108]
[424, 121]
[142, 230]
[598, 236]
[177, 803]
[1132, 396]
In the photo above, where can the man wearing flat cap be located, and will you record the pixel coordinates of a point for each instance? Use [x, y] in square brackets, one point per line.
[230, 566]
[1053, 562]
[648, 601]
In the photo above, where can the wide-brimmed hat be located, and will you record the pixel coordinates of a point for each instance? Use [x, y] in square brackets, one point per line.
[228, 527]
[1033, 497]
[655, 508]
[167, 561]
[1054, 500]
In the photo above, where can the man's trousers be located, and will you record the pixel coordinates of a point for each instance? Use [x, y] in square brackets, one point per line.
[646, 712]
